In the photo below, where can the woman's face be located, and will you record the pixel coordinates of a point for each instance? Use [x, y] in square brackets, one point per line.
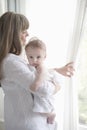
[23, 36]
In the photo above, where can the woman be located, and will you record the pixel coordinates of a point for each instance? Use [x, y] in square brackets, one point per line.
[15, 76]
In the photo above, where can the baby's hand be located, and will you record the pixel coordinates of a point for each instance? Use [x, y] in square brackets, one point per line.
[41, 71]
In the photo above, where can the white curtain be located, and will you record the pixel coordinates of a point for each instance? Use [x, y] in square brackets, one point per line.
[3, 6]
[71, 121]
[12, 5]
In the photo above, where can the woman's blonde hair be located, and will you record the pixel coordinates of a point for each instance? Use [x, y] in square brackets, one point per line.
[11, 24]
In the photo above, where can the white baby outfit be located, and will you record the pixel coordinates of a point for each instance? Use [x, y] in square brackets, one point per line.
[44, 97]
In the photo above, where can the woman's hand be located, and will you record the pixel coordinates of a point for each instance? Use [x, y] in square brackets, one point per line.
[67, 70]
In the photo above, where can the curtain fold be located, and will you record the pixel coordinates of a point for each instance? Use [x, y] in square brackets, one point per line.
[70, 99]
[16, 6]
[3, 8]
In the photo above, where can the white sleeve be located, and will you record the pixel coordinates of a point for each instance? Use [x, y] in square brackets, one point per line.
[17, 72]
[47, 88]
[58, 78]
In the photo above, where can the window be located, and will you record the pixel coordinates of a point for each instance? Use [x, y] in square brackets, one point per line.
[81, 80]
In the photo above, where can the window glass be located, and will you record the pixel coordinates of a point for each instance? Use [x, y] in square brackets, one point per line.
[82, 75]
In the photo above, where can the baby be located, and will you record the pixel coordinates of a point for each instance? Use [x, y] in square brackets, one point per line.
[43, 97]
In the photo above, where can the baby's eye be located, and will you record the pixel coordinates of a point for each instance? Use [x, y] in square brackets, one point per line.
[38, 57]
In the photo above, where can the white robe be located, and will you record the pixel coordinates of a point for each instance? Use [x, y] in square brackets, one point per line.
[44, 98]
[18, 102]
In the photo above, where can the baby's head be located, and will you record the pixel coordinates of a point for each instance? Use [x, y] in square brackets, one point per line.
[35, 51]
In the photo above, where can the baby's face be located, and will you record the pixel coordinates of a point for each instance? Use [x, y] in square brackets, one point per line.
[36, 56]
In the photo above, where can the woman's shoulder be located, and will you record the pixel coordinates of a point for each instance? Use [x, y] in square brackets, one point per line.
[14, 58]
[11, 56]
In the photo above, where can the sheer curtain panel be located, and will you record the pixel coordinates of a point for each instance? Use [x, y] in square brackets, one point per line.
[71, 121]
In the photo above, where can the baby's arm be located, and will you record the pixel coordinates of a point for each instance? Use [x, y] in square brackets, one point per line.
[67, 70]
[40, 76]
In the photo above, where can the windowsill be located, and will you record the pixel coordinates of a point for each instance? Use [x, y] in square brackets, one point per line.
[82, 127]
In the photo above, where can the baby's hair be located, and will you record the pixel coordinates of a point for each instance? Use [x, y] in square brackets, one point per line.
[34, 42]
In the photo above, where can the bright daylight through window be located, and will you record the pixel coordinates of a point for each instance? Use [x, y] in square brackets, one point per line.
[82, 75]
